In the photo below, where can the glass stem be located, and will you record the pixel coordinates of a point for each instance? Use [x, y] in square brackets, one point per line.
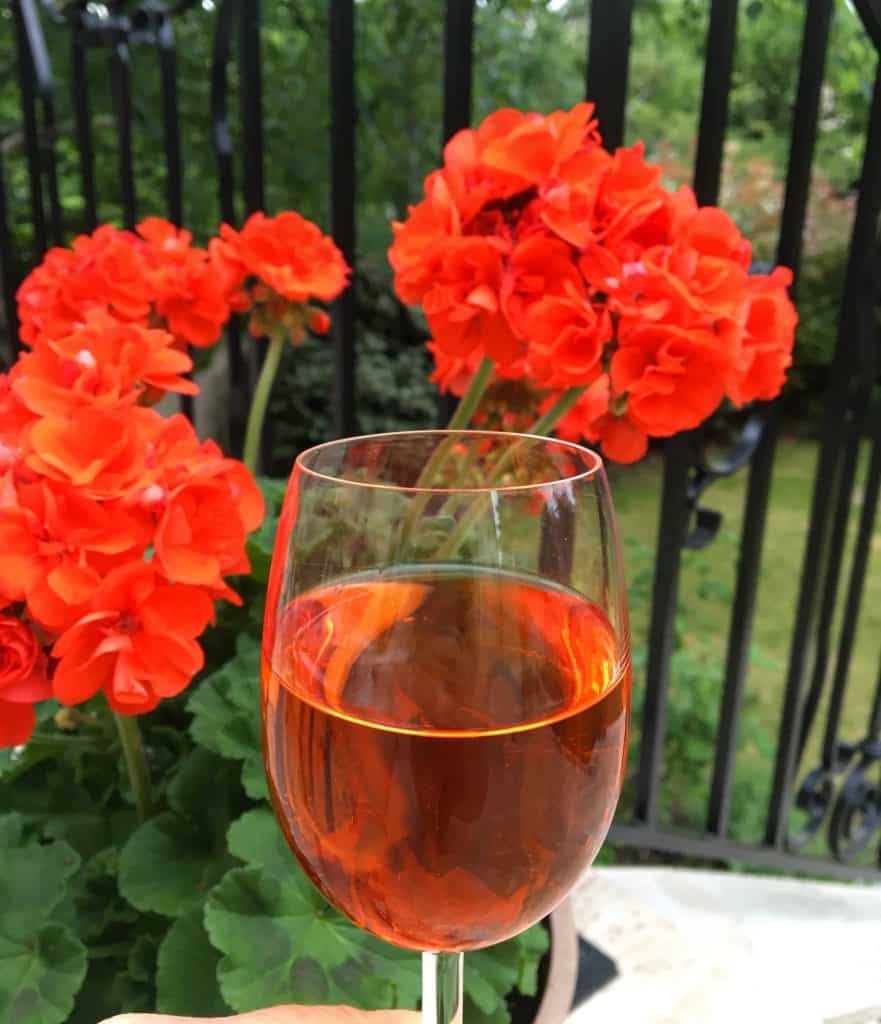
[442, 988]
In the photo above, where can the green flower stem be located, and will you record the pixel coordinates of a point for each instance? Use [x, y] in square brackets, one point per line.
[459, 421]
[135, 762]
[542, 426]
[257, 415]
[546, 423]
[469, 402]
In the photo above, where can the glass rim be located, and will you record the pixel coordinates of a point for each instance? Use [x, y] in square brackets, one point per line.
[594, 468]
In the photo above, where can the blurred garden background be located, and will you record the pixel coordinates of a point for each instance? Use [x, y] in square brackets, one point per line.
[531, 54]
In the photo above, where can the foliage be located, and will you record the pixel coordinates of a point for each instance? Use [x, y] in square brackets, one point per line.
[392, 392]
[201, 909]
[693, 705]
[42, 962]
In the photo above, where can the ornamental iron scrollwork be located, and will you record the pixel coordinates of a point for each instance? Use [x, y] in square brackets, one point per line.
[849, 810]
[706, 471]
[814, 799]
[856, 816]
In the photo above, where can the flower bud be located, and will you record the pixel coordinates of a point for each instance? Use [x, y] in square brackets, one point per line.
[319, 322]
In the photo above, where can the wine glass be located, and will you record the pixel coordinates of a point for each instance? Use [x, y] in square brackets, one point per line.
[446, 684]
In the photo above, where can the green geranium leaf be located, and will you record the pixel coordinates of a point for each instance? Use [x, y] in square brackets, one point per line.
[40, 975]
[259, 549]
[226, 714]
[72, 815]
[316, 953]
[201, 772]
[488, 979]
[279, 940]
[262, 541]
[42, 963]
[186, 981]
[169, 864]
[109, 988]
[531, 947]
[256, 839]
[33, 882]
[10, 830]
[475, 1015]
[273, 493]
[385, 977]
[254, 779]
[486, 996]
[491, 973]
[171, 861]
[141, 960]
[99, 904]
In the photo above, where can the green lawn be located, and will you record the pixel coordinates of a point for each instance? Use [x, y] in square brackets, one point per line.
[707, 585]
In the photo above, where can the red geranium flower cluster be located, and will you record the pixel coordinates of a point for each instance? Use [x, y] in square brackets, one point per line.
[119, 527]
[154, 277]
[536, 248]
[274, 266]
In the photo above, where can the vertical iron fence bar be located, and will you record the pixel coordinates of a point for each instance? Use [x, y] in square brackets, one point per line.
[870, 12]
[608, 61]
[875, 717]
[237, 368]
[862, 249]
[789, 731]
[165, 47]
[721, 38]
[170, 125]
[26, 80]
[83, 120]
[221, 134]
[680, 451]
[815, 37]
[7, 272]
[51, 165]
[47, 135]
[834, 558]
[805, 117]
[458, 58]
[862, 551]
[672, 528]
[120, 87]
[42, 72]
[755, 511]
[343, 190]
[251, 101]
[458, 82]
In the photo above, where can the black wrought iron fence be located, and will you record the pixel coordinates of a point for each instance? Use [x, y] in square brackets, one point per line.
[840, 796]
